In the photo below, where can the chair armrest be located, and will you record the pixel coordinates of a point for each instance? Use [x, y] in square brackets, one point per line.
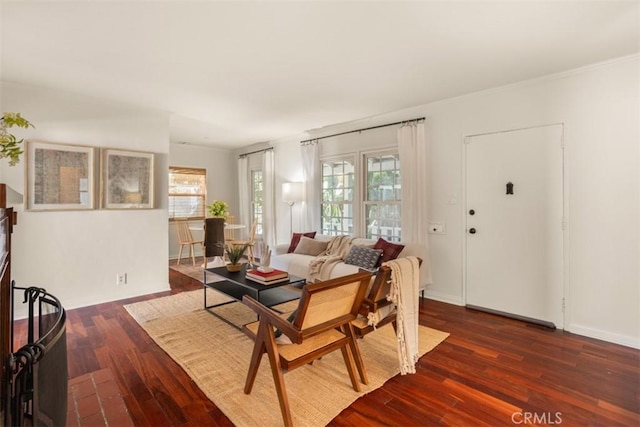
[273, 318]
[369, 306]
[366, 307]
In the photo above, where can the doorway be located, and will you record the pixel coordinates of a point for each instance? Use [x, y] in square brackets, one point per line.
[514, 220]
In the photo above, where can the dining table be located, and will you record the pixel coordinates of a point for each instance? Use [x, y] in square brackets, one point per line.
[199, 229]
[233, 227]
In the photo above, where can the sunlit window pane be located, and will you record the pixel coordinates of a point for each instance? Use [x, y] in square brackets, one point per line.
[187, 193]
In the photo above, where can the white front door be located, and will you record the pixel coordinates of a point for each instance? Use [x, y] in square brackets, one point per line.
[514, 213]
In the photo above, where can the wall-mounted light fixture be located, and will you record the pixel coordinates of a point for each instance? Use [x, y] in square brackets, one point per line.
[292, 192]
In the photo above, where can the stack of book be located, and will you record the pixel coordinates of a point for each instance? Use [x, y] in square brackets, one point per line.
[267, 278]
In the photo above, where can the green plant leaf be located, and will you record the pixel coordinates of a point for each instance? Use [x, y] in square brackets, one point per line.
[235, 252]
[218, 208]
[9, 145]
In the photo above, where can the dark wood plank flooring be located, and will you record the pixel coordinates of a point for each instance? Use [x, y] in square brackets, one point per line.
[491, 371]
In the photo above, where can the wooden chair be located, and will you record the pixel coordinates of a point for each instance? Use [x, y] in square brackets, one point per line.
[229, 233]
[186, 239]
[250, 242]
[322, 324]
[376, 302]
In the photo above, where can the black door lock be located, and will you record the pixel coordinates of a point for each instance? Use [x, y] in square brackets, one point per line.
[472, 231]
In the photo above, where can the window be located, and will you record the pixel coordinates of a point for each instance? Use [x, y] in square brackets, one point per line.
[256, 199]
[338, 185]
[382, 204]
[362, 199]
[187, 193]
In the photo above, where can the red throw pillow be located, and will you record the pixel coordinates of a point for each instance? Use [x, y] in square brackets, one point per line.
[295, 239]
[389, 250]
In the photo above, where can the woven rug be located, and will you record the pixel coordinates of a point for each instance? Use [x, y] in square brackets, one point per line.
[216, 356]
[197, 271]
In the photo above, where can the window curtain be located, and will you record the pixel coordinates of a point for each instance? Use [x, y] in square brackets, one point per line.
[414, 169]
[243, 191]
[311, 177]
[268, 199]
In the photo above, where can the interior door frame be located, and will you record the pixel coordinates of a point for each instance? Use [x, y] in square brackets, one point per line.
[566, 312]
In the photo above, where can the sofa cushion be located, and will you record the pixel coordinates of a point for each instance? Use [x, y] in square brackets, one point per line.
[342, 269]
[308, 246]
[295, 239]
[363, 257]
[359, 241]
[294, 264]
[389, 250]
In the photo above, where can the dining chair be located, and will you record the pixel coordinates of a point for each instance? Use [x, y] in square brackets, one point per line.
[186, 239]
[229, 233]
[320, 325]
[250, 242]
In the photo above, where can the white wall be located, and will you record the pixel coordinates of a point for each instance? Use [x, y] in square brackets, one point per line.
[222, 182]
[76, 255]
[599, 107]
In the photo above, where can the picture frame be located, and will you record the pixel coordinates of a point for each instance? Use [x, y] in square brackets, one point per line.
[126, 179]
[59, 176]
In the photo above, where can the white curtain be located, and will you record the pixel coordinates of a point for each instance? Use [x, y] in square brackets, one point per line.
[268, 199]
[311, 177]
[412, 148]
[243, 192]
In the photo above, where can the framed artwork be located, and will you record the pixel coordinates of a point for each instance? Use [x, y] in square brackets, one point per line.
[127, 179]
[59, 176]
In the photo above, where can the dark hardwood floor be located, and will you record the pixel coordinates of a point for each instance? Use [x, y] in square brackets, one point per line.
[491, 371]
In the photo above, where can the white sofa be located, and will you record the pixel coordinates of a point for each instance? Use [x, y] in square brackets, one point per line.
[298, 264]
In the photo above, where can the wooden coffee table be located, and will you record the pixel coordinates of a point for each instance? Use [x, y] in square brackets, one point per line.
[236, 286]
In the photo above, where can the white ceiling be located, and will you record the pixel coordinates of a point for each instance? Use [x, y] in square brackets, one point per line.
[236, 73]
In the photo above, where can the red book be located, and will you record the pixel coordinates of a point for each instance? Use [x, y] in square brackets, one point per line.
[271, 275]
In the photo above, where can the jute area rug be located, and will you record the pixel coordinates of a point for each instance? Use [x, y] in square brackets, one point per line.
[196, 271]
[216, 356]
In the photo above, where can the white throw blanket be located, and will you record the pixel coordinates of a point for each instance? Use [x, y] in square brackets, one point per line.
[337, 250]
[405, 277]
[374, 318]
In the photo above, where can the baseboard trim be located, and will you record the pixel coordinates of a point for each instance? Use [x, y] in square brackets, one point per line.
[599, 334]
[446, 298]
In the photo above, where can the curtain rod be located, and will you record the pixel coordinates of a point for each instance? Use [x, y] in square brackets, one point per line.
[361, 130]
[254, 152]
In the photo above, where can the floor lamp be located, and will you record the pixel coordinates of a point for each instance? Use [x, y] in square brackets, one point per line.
[292, 192]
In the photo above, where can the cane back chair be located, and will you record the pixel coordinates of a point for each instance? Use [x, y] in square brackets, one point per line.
[321, 324]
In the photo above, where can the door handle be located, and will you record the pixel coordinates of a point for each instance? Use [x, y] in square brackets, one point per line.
[472, 231]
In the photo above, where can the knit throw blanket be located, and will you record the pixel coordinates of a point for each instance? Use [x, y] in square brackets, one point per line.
[405, 277]
[337, 250]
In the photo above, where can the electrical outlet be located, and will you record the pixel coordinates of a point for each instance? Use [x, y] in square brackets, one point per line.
[121, 279]
[436, 227]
